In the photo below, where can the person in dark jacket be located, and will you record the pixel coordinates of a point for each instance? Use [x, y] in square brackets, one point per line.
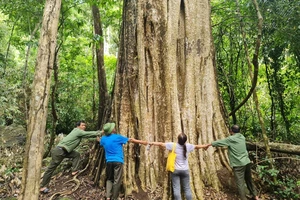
[65, 149]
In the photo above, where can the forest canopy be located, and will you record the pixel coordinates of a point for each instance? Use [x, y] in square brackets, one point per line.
[277, 85]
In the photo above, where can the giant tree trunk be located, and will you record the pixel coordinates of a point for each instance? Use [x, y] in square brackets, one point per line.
[39, 102]
[166, 84]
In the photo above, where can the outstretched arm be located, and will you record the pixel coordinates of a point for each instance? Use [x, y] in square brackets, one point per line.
[202, 146]
[137, 141]
[160, 144]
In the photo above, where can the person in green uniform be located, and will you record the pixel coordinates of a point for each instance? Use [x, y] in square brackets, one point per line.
[239, 160]
[65, 149]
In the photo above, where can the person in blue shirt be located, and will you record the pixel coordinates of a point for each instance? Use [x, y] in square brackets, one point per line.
[114, 156]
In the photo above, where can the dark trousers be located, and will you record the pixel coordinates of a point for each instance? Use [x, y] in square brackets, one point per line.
[242, 174]
[114, 175]
[58, 154]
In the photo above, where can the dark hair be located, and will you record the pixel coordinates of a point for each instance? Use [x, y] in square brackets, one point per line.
[235, 128]
[79, 122]
[182, 138]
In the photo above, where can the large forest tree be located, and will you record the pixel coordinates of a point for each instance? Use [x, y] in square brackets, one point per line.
[166, 80]
[166, 84]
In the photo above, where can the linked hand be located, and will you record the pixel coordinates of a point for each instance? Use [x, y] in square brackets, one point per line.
[149, 144]
[207, 146]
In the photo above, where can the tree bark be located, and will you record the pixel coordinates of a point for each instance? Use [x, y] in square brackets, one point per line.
[104, 108]
[104, 100]
[24, 84]
[166, 84]
[39, 102]
[8, 49]
[53, 97]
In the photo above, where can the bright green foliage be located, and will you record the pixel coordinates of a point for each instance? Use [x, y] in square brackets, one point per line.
[77, 76]
[278, 85]
[278, 82]
[10, 81]
[232, 68]
[284, 187]
[76, 71]
[111, 15]
[110, 67]
[76, 95]
[3, 38]
[281, 58]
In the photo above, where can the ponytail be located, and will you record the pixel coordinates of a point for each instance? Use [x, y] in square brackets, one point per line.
[182, 138]
[184, 150]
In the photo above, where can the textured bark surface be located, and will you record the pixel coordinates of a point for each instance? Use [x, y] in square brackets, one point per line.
[166, 84]
[39, 102]
[275, 147]
[104, 101]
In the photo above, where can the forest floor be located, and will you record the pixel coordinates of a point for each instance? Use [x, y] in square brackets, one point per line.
[62, 188]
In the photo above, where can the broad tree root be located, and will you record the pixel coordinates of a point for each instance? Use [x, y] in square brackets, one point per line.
[68, 192]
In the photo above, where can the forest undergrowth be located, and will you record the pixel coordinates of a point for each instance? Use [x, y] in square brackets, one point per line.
[65, 186]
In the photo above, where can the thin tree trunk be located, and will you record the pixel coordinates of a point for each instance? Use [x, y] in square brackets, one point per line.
[284, 113]
[39, 102]
[94, 107]
[103, 94]
[53, 102]
[255, 59]
[98, 161]
[256, 66]
[8, 49]
[25, 86]
[272, 107]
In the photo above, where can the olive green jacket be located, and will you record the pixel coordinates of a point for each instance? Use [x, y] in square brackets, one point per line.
[73, 139]
[237, 152]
